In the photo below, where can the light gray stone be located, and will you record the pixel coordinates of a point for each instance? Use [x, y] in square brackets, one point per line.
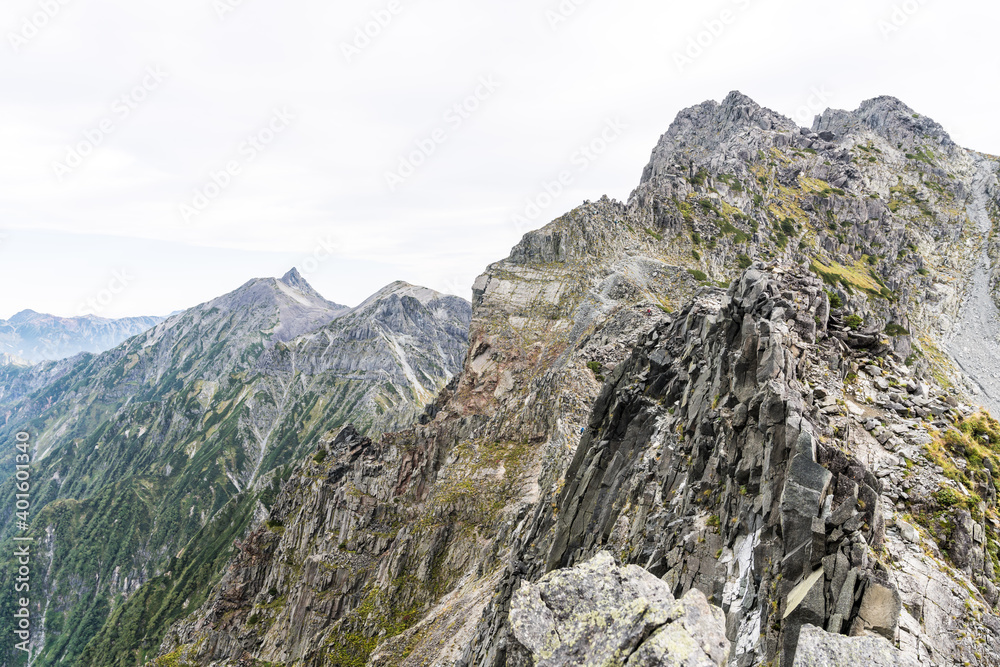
[908, 532]
[879, 612]
[817, 648]
[598, 614]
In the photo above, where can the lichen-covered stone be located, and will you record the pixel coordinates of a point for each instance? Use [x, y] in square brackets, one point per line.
[817, 648]
[600, 615]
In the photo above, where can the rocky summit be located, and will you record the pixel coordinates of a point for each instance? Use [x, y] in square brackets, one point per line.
[742, 418]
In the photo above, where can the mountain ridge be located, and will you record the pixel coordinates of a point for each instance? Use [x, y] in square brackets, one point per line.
[615, 397]
[154, 456]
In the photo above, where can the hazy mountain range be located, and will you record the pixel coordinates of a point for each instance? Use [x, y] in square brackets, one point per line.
[32, 337]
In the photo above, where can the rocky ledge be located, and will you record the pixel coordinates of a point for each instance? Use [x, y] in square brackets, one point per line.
[600, 614]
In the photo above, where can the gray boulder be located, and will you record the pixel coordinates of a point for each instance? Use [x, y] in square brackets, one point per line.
[817, 648]
[599, 615]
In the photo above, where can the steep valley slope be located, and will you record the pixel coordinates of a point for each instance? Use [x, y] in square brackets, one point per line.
[150, 459]
[741, 380]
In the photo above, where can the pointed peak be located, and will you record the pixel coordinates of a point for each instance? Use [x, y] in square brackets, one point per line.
[299, 307]
[737, 99]
[292, 286]
[293, 278]
[297, 282]
[698, 131]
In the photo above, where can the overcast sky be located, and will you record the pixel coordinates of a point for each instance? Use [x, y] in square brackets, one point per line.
[158, 154]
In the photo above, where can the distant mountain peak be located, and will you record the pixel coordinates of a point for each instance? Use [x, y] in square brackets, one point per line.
[297, 282]
[213, 412]
[33, 337]
[13, 360]
[23, 316]
[294, 279]
[401, 289]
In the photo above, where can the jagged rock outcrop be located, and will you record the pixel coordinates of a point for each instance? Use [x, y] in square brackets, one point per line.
[718, 458]
[598, 614]
[889, 118]
[449, 492]
[799, 447]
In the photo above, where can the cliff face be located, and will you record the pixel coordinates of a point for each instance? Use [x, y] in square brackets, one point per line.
[800, 447]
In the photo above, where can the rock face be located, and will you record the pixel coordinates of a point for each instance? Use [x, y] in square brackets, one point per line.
[704, 460]
[739, 381]
[598, 614]
[822, 649]
[35, 337]
[154, 456]
[718, 458]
